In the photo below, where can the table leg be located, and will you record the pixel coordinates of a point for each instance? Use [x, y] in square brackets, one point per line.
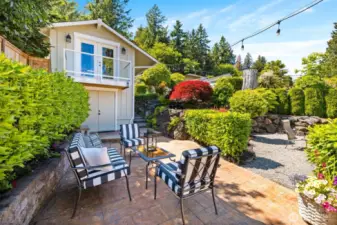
[147, 174]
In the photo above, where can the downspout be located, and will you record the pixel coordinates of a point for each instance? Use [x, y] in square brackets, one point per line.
[133, 86]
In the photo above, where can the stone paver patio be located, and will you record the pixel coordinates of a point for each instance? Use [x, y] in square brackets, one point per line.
[242, 198]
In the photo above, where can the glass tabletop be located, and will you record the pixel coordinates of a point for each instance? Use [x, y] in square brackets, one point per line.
[152, 155]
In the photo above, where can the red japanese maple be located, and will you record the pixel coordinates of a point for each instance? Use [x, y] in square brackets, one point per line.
[192, 90]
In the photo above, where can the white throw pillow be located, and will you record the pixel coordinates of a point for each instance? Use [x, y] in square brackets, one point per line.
[96, 157]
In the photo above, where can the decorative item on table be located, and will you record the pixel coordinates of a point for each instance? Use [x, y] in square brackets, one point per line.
[150, 141]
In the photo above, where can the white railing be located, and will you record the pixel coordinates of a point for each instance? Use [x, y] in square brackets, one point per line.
[93, 68]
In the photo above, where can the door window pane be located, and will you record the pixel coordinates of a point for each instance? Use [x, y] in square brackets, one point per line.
[87, 60]
[108, 62]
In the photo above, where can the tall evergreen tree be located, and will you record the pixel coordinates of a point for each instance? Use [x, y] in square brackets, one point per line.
[216, 54]
[155, 20]
[260, 63]
[64, 11]
[177, 37]
[238, 63]
[113, 13]
[331, 53]
[202, 48]
[248, 61]
[225, 52]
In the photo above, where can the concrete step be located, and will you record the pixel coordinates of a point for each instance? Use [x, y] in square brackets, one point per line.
[141, 124]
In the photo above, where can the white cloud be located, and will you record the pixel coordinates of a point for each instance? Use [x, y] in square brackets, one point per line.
[197, 14]
[226, 9]
[310, 10]
[291, 53]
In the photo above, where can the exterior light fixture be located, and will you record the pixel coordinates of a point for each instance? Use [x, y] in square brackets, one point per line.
[242, 46]
[278, 32]
[68, 38]
[123, 50]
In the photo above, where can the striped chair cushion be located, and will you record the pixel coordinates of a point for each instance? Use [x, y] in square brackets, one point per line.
[76, 156]
[95, 140]
[129, 131]
[133, 142]
[167, 172]
[99, 177]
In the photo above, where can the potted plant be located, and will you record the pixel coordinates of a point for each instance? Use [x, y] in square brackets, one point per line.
[317, 200]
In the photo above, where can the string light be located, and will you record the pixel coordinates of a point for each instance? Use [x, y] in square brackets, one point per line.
[278, 32]
[242, 46]
[295, 13]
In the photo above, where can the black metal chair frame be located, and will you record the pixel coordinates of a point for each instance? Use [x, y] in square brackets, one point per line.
[183, 183]
[79, 183]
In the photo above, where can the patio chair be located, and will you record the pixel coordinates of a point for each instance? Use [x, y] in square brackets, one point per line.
[91, 176]
[130, 136]
[193, 174]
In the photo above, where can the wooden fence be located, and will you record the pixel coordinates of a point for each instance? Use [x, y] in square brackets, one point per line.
[16, 54]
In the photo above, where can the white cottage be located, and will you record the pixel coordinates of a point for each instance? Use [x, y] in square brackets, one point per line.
[105, 62]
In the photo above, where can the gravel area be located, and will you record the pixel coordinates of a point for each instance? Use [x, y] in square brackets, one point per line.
[278, 161]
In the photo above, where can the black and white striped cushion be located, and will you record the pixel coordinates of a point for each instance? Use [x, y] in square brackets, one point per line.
[167, 172]
[95, 140]
[99, 177]
[76, 155]
[133, 142]
[199, 168]
[129, 131]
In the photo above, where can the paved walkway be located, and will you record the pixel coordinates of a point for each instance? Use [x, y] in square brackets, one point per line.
[242, 198]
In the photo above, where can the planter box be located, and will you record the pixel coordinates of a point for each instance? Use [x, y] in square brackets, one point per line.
[19, 206]
[314, 213]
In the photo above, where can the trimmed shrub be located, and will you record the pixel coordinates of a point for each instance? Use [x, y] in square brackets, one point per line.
[331, 103]
[226, 69]
[157, 76]
[314, 102]
[309, 81]
[37, 108]
[236, 82]
[270, 80]
[141, 88]
[248, 101]
[322, 148]
[270, 97]
[176, 78]
[223, 90]
[296, 96]
[192, 90]
[331, 82]
[229, 131]
[283, 106]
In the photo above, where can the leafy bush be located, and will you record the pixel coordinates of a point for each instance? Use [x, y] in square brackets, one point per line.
[157, 76]
[331, 103]
[331, 82]
[164, 53]
[192, 90]
[225, 69]
[229, 131]
[296, 96]
[283, 106]
[248, 101]
[152, 119]
[176, 78]
[141, 88]
[322, 148]
[37, 108]
[314, 102]
[173, 123]
[270, 97]
[190, 66]
[236, 82]
[309, 81]
[270, 80]
[223, 90]
[143, 102]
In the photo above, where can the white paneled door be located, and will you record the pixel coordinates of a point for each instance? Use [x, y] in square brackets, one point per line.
[102, 116]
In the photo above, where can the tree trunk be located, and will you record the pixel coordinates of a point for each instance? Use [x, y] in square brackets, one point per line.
[249, 79]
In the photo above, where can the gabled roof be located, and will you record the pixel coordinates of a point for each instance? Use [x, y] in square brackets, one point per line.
[99, 22]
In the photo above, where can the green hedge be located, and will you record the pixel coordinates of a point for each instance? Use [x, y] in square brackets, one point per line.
[229, 131]
[296, 96]
[331, 103]
[36, 109]
[236, 82]
[314, 102]
[283, 106]
[249, 101]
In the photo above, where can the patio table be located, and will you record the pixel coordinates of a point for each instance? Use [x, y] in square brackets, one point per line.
[151, 156]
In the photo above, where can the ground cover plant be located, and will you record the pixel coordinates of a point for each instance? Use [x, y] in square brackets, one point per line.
[37, 108]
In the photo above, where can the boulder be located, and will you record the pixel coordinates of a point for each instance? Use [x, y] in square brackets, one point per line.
[180, 133]
[271, 128]
[267, 121]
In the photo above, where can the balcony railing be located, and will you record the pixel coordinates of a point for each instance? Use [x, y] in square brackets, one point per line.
[97, 69]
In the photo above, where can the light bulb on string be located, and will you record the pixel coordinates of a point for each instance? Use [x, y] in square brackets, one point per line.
[242, 46]
[278, 32]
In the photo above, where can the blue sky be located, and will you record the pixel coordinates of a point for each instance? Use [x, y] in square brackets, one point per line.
[235, 19]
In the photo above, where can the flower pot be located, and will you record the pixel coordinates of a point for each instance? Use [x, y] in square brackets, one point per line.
[314, 213]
